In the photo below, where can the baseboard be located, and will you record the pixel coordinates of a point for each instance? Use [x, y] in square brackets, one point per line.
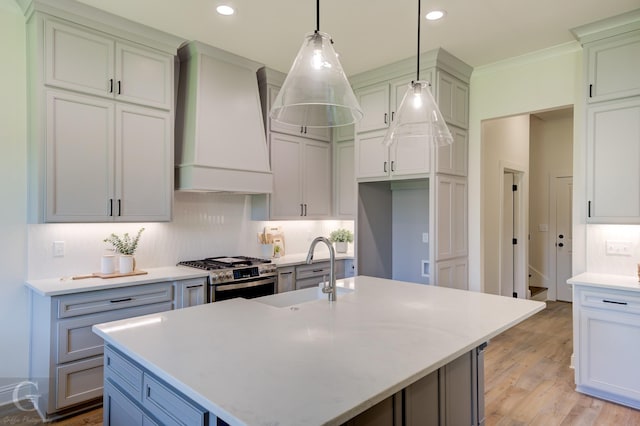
[6, 393]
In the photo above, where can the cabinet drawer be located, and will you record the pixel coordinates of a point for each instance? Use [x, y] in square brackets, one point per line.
[109, 300]
[314, 270]
[165, 404]
[309, 282]
[79, 381]
[123, 373]
[76, 340]
[610, 300]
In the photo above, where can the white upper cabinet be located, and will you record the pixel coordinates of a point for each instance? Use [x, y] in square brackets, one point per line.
[374, 101]
[451, 217]
[345, 189]
[301, 178]
[453, 99]
[453, 159]
[94, 63]
[613, 69]
[613, 156]
[376, 161]
[101, 116]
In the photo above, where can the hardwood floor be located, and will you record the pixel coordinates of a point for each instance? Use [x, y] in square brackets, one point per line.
[528, 381]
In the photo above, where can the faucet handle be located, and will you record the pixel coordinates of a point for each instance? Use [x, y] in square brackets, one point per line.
[326, 285]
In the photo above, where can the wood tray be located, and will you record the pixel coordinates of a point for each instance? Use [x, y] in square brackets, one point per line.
[113, 275]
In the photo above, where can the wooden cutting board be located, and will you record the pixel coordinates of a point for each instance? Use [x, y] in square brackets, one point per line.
[113, 275]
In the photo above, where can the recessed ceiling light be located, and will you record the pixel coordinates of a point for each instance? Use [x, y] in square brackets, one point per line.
[434, 15]
[224, 9]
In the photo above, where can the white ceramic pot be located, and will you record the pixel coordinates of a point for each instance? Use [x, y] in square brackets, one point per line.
[127, 263]
[108, 264]
[266, 251]
[341, 246]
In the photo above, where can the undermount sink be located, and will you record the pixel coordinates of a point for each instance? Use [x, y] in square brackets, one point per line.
[290, 298]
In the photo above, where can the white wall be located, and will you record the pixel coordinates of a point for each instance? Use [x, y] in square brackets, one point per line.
[14, 324]
[505, 146]
[542, 80]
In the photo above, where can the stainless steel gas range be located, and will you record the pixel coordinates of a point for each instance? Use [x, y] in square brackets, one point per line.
[237, 276]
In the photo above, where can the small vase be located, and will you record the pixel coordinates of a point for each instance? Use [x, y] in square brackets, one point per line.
[127, 263]
[341, 246]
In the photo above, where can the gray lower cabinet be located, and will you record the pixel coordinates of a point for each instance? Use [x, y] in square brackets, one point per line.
[134, 396]
[450, 396]
[66, 357]
[313, 274]
[286, 279]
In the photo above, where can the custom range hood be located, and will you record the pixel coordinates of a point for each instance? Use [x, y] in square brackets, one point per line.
[220, 137]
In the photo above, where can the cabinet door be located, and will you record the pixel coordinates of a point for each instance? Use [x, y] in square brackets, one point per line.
[79, 158]
[79, 381]
[316, 178]
[410, 156]
[453, 159]
[118, 409]
[398, 88]
[286, 279]
[344, 133]
[608, 354]
[614, 67]
[453, 100]
[372, 157]
[191, 292]
[374, 101]
[143, 76]
[613, 155]
[286, 157]
[451, 217]
[345, 188]
[78, 59]
[320, 133]
[144, 164]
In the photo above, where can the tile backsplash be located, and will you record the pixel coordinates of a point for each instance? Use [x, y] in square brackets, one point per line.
[204, 224]
[599, 261]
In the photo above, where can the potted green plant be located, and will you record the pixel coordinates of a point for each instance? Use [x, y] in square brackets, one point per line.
[341, 237]
[126, 246]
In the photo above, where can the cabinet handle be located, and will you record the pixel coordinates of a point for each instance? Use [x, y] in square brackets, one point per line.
[110, 85]
[318, 270]
[110, 206]
[591, 90]
[305, 209]
[194, 286]
[614, 302]
[385, 167]
[148, 391]
[589, 209]
[119, 87]
[392, 115]
[119, 207]
[392, 166]
[286, 273]
[385, 118]
[126, 299]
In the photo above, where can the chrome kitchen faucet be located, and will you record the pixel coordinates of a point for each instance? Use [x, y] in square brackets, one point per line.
[331, 288]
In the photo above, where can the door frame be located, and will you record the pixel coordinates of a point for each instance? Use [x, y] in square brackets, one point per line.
[552, 293]
[521, 226]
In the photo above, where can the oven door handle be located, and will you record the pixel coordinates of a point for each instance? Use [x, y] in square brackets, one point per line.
[246, 284]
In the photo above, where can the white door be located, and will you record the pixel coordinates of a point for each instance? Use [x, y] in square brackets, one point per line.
[286, 157]
[564, 238]
[508, 232]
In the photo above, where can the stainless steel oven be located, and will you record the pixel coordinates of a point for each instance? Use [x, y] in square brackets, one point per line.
[237, 276]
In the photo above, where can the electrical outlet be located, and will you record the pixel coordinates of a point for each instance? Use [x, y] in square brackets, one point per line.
[58, 249]
[618, 248]
[425, 237]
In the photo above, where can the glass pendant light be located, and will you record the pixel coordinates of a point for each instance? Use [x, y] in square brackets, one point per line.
[316, 92]
[418, 115]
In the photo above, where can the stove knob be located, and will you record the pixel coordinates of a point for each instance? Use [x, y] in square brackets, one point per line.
[228, 275]
[214, 277]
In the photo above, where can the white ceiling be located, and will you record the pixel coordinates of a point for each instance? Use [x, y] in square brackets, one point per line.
[370, 33]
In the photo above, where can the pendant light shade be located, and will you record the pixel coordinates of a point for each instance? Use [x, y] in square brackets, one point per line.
[418, 117]
[316, 92]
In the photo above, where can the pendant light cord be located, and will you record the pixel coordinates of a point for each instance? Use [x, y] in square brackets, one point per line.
[418, 55]
[317, 16]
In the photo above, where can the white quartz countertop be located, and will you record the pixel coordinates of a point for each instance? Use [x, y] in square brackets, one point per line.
[67, 285]
[617, 282]
[317, 362]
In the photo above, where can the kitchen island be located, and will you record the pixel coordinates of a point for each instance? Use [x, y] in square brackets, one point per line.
[300, 361]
